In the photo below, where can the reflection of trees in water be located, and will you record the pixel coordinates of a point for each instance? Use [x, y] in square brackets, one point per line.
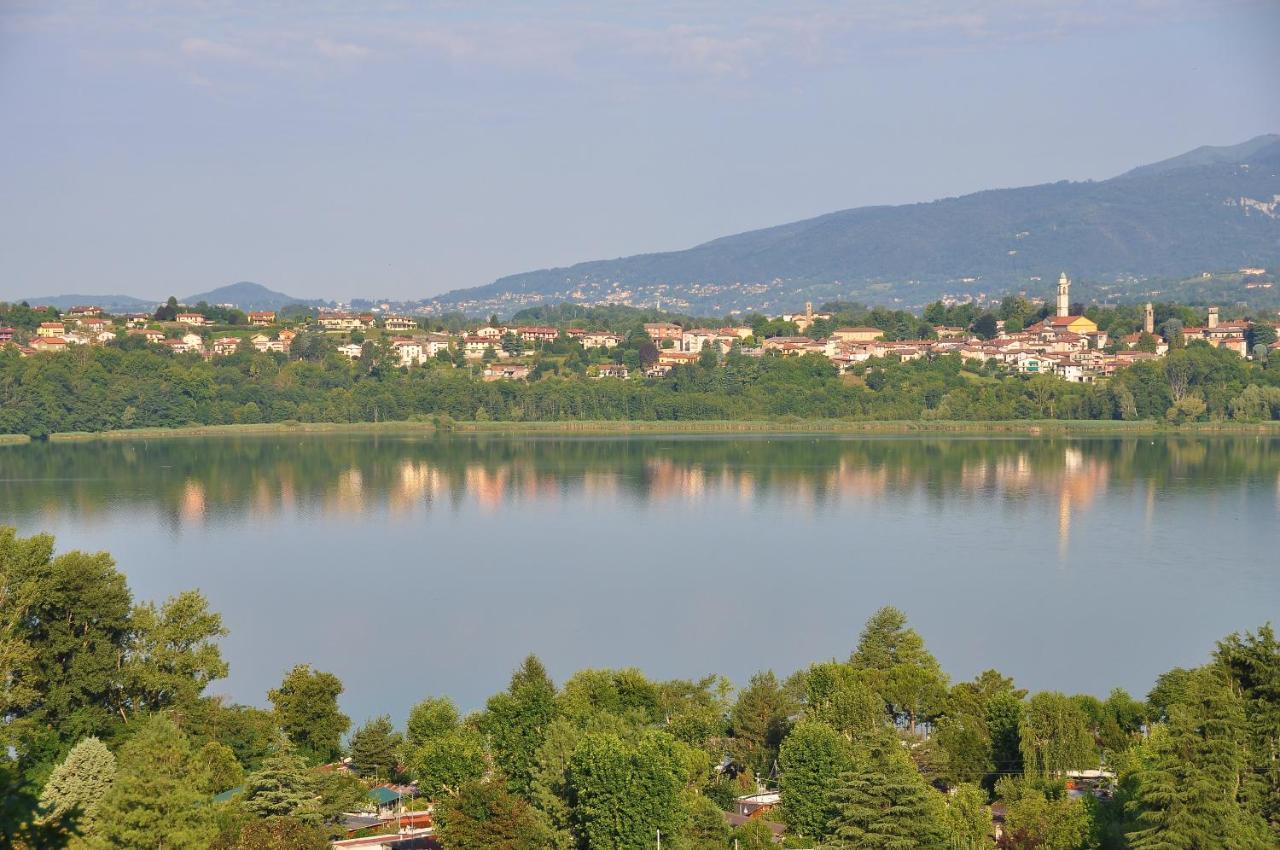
[195, 478]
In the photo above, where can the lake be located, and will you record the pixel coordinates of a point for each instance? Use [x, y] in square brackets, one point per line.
[413, 565]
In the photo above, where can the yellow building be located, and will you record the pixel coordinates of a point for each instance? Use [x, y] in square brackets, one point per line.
[1075, 324]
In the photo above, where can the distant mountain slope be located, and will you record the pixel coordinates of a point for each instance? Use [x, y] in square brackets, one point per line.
[245, 295]
[110, 303]
[1212, 208]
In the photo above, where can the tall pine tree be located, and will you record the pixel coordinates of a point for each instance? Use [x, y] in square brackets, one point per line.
[375, 749]
[282, 787]
[1252, 665]
[884, 804]
[1189, 789]
[79, 783]
[155, 801]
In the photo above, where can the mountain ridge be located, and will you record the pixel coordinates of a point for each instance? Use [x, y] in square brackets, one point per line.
[244, 294]
[1210, 208]
[248, 295]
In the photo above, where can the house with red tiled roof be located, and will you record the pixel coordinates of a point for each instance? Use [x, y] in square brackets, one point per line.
[48, 343]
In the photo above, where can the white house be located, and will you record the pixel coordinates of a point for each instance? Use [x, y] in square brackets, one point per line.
[410, 351]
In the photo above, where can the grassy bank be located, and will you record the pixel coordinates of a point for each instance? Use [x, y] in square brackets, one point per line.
[799, 426]
[14, 439]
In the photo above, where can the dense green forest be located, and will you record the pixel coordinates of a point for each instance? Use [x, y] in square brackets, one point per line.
[113, 744]
[96, 389]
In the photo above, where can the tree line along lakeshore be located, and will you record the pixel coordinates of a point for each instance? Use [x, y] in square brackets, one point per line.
[112, 741]
[309, 372]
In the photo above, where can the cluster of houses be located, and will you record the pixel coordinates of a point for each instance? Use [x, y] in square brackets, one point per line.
[1069, 346]
[88, 325]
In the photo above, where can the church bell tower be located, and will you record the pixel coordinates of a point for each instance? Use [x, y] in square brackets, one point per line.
[1064, 295]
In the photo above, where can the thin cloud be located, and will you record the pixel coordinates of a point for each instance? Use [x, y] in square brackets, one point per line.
[340, 51]
[713, 39]
[203, 48]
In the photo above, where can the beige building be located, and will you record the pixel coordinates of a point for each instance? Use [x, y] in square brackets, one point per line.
[858, 334]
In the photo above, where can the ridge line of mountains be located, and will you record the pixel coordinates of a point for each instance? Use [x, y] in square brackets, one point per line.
[1212, 208]
[1208, 210]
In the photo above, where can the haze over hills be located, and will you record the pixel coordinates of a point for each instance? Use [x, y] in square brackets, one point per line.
[245, 295]
[248, 296]
[1212, 208]
[110, 303]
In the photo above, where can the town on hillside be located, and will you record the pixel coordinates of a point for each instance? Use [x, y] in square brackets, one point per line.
[1063, 341]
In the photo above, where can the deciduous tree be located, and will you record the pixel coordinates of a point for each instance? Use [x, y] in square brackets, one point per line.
[1055, 736]
[431, 718]
[306, 705]
[485, 816]
[221, 770]
[813, 758]
[900, 668]
[172, 652]
[444, 763]
[759, 722]
[622, 796]
[516, 720]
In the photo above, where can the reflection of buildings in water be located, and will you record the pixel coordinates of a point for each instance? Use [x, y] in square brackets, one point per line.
[288, 494]
[1013, 474]
[1064, 523]
[487, 488]
[857, 479]
[1081, 482]
[666, 480]
[1151, 506]
[192, 506]
[599, 487]
[266, 499]
[535, 487]
[348, 492]
[415, 481]
[1076, 480]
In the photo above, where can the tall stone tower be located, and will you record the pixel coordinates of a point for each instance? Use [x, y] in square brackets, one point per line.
[1064, 295]
[1213, 317]
[1149, 319]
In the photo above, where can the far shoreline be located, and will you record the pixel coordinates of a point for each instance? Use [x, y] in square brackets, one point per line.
[833, 427]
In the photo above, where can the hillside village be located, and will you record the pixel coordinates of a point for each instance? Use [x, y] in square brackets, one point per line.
[1064, 343]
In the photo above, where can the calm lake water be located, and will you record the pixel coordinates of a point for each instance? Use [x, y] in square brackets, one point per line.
[412, 566]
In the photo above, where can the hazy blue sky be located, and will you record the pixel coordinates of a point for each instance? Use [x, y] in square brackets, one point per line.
[407, 148]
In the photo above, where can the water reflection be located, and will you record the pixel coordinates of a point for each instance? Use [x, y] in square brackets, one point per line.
[198, 481]
[352, 475]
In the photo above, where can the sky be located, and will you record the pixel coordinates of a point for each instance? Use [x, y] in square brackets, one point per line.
[404, 149]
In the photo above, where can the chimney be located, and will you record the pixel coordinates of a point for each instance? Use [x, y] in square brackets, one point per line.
[1213, 317]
